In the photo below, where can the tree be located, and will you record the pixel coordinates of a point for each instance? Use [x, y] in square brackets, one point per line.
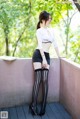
[18, 21]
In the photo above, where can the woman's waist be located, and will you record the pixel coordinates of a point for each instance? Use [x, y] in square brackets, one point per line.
[45, 46]
[45, 50]
[38, 51]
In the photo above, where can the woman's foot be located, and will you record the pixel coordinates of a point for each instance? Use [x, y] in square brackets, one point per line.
[33, 110]
[42, 113]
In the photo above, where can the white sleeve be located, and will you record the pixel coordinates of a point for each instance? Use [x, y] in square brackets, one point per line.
[39, 38]
[54, 40]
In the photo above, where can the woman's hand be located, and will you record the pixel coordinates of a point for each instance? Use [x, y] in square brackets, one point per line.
[44, 63]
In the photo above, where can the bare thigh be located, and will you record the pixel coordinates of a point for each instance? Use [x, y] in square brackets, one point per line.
[38, 65]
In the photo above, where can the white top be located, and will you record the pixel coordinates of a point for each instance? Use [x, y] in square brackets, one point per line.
[45, 35]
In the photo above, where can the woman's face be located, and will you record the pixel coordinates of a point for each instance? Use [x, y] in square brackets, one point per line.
[48, 21]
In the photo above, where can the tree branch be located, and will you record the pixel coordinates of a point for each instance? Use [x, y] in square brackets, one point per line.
[77, 4]
[22, 31]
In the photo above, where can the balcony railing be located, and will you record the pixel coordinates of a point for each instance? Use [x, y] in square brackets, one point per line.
[17, 77]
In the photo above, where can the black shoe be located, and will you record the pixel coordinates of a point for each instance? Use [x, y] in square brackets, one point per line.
[42, 113]
[33, 110]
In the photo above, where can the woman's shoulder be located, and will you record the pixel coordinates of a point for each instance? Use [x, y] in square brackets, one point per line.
[51, 28]
[39, 30]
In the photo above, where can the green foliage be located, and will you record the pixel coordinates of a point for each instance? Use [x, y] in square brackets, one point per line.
[18, 21]
[75, 47]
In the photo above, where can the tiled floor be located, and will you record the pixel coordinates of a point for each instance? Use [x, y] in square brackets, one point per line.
[53, 111]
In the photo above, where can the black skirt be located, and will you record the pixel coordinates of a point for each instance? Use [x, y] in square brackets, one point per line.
[38, 58]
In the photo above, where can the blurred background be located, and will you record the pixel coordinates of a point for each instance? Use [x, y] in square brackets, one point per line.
[18, 21]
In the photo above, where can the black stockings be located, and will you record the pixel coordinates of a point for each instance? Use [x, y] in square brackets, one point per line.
[41, 75]
[37, 76]
[44, 89]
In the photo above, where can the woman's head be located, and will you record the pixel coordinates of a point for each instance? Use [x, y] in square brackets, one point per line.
[44, 18]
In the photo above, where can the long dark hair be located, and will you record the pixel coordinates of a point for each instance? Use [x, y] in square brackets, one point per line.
[43, 16]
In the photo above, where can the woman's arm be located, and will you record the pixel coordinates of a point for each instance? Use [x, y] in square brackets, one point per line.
[55, 45]
[42, 54]
[56, 48]
[39, 39]
[57, 51]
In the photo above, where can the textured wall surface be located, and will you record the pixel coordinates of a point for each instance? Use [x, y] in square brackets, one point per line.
[17, 78]
[70, 87]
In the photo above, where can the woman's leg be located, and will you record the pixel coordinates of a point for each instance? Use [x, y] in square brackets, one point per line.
[37, 81]
[45, 72]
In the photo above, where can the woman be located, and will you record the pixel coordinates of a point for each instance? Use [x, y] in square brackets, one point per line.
[41, 61]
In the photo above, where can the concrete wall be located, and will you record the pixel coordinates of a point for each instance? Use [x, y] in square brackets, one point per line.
[17, 78]
[16, 81]
[70, 87]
